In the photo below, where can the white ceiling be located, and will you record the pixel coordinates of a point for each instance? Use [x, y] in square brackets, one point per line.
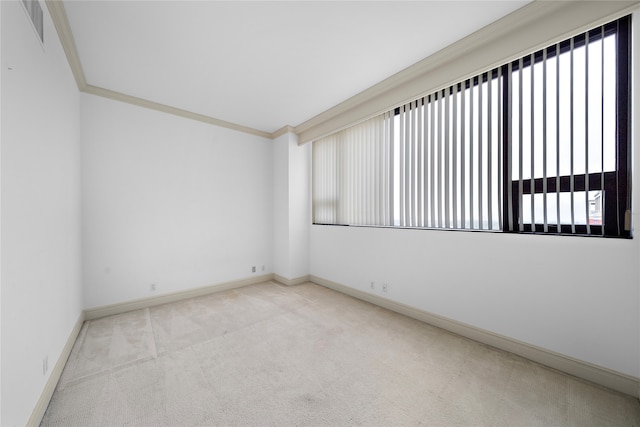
[263, 64]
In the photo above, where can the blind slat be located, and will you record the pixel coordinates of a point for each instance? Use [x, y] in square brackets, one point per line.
[471, 159]
[508, 166]
[481, 139]
[558, 153]
[602, 72]
[447, 160]
[489, 154]
[454, 174]
[432, 145]
[571, 133]
[420, 159]
[463, 142]
[586, 130]
[532, 141]
[544, 142]
[520, 149]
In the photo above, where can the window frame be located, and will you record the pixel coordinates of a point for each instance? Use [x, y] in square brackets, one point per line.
[615, 185]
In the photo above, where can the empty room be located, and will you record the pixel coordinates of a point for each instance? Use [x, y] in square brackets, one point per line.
[248, 213]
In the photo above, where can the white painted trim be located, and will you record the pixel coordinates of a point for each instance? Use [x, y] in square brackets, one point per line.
[530, 28]
[283, 130]
[61, 22]
[599, 375]
[291, 282]
[581, 369]
[108, 310]
[124, 307]
[117, 96]
[56, 373]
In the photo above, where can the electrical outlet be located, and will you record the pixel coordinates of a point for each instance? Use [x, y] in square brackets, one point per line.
[152, 287]
[45, 365]
[373, 285]
[263, 268]
[253, 269]
[385, 287]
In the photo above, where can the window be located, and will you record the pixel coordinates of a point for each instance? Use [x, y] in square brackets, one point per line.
[571, 100]
[537, 145]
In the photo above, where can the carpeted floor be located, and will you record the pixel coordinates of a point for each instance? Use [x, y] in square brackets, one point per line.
[272, 355]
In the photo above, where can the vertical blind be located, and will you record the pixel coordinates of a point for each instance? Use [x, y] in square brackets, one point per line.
[569, 136]
[536, 145]
[351, 175]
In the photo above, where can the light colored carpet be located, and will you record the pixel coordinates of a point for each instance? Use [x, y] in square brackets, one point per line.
[308, 356]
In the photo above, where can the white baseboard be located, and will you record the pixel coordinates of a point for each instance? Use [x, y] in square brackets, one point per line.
[124, 307]
[587, 371]
[56, 373]
[578, 368]
[291, 282]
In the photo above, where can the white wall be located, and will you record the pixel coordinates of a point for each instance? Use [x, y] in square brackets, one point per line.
[281, 261]
[183, 204]
[300, 206]
[292, 209]
[40, 209]
[576, 296]
[169, 201]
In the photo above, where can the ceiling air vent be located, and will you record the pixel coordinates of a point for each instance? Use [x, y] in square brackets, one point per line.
[34, 10]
